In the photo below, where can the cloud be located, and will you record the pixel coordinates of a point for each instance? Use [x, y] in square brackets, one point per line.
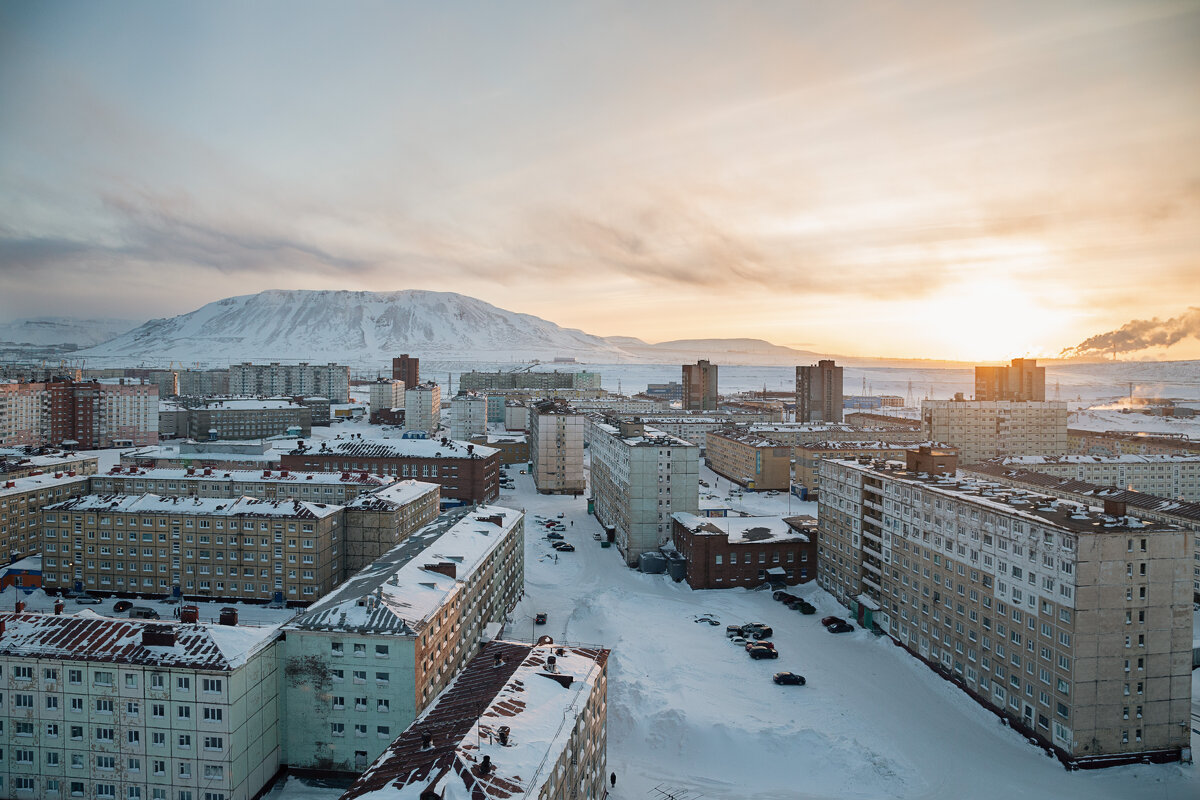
[1141, 334]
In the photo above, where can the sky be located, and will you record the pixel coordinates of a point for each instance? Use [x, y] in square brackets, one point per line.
[942, 180]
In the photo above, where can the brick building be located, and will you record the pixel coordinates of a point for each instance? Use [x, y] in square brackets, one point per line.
[750, 460]
[745, 551]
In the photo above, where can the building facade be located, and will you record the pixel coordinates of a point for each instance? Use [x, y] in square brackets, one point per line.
[234, 418]
[466, 472]
[423, 407]
[131, 710]
[336, 488]
[468, 415]
[1023, 380]
[365, 661]
[699, 386]
[379, 520]
[819, 392]
[88, 416]
[984, 429]
[556, 448]
[640, 477]
[729, 552]
[535, 382]
[406, 369]
[526, 716]
[21, 504]
[750, 460]
[201, 547]
[386, 395]
[809, 457]
[1128, 443]
[275, 379]
[1173, 476]
[1072, 623]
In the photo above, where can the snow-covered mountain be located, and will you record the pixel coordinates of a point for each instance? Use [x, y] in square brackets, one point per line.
[353, 327]
[63, 331]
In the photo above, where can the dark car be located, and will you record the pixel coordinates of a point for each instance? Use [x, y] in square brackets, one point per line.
[564, 547]
[783, 597]
[788, 679]
[733, 630]
[749, 645]
[122, 605]
[540, 619]
[757, 630]
[805, 608]
[553, 535]
[830, 620]
[839, 627]
[762, 652]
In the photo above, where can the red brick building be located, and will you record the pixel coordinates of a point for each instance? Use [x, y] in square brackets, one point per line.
[465, 471]
[745, 551]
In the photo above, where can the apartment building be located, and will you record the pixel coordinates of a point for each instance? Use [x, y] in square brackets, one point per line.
[234, 418]
[466, 472]
[672, 390]
[88, 416]
[406, 369]
[203, 382]
[537, 382]
[21, 504]
[640, 477]
[867, 419]
[386, 395]
[1023, 380]
[513, 447]
[819, 392]
[423, 407]
[809, 457]
[336, 488]
[728, 552]
[516, 416]
[1128, 443]
[468, 415]
[304, 379]
[1173, 476]
[131, 710]
[219, 455]
[796, 434]
[1073, 623]
[523, 718]
[556, 448]
[750, 460]
[984, 429]
[622, 405]
[19, 462]
[365, 661]
[700, 386]
[379, 520]
[208, 547]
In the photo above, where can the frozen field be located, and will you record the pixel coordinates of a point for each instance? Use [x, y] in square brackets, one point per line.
[689, 711]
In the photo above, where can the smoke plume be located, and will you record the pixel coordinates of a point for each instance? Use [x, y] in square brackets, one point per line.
[1140, 334]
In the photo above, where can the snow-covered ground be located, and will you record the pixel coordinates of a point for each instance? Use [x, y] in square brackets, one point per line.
[688, 710]
[1093, 419]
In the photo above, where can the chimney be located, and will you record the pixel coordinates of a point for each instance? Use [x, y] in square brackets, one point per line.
[229, 616]
[426, 741]
[485, 767]
[158, 636]
[191, 470]
[551, 664]
[2, 625]
[189, 614]
[1114, 508]
[497, 660]
[266, 473]
[503, 735]
[20, 606]
[444, 568]
[59, 605]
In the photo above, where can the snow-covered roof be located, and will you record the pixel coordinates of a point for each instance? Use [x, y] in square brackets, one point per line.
[27, 564]
[89, 637]
[250, 476]
[745, 530]
[399, 494]
[748, 438]
[1158, 458]
[650, 437]
[384, 447]
[538, 707]
[872, 445]
[33, 483]
[249, 404]
[206, 506]
[398, 593]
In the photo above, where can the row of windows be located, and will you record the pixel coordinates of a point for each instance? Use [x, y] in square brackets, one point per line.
[158, 680]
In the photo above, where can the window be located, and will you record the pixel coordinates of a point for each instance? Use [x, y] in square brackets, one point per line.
[132, 708]
[134, 736]
[213, 743]
[156, 680]
[337, 729]
[185, 741]
[360, 650]
[212, 714]
[381, 651]
[211, 685]
[183, 712]
[335, 649]
[104, 734]
[184, 684]
[103, 678]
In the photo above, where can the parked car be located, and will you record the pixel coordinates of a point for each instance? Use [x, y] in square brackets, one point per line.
[86, 599]
[564, 547]
[788, 679]
[762, 652]
[738, 639]
[122, 605]
[554, 535]
[733, 630]
[783, 597]
[759, 630]
[561, 515]
[596, 536]
[827, 621]
[142, 612]
[839, 627]
[759, 644]
[805, 608]
[539, 619]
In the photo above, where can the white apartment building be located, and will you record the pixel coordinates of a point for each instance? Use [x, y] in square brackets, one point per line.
[367, 659]
[984, 429]
[516, 416]
[468, 416]
[292, 380]
[386, 395]
[640, 476]
[111, 709]
[1170, 476]
[423, 407]
[1073, 623]
[556, 448]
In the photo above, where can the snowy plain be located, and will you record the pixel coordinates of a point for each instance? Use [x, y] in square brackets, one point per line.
[690, 712]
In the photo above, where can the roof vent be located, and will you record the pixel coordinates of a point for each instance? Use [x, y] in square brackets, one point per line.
[485, 767]
[158, 636]
[426, 741]
[503, 734]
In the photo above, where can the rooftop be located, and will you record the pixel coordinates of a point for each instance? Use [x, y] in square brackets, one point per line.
[1160, 458]
[397, 593]
[1037, 508]
[32, 483]
[207, 506]
[400, 493]
[749, 438]
[748, 530]
[249, 476]
[539, 708]
[398, 448]
[870, 445]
